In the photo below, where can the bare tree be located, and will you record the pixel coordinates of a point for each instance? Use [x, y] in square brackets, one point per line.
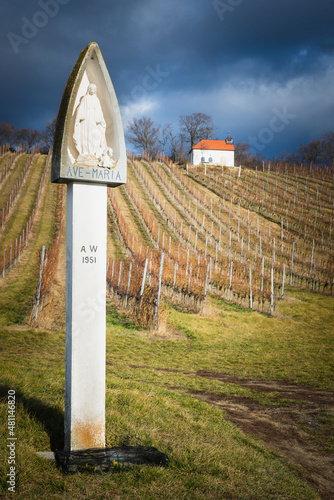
[242, 153]
[178, 148]
[311, 152]
[319, 151]
[28, 137]
[144, 135]
[48, 134]
[196, 127]
[327, 146]
[307, 153]
[244, 157]
[164, 136]
[7, 133]
[174, 140]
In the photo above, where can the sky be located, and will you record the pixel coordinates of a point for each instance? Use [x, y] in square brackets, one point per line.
[262, 69]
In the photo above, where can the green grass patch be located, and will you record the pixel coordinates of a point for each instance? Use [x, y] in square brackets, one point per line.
[209, 457]
[297, 345]
[150, 380]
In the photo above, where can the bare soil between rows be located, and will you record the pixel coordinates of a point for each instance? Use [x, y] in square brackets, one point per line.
[289, 430]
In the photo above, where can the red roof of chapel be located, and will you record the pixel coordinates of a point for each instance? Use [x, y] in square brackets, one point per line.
[218, 145]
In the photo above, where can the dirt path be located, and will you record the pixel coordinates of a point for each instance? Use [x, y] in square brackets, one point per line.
[297, 429]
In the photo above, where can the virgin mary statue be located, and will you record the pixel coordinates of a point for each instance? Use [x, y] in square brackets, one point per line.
[90, 128]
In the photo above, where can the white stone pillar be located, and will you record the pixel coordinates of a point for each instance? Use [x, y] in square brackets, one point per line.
[85, 316]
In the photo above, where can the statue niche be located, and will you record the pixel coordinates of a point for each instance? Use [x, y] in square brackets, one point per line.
[89, 134]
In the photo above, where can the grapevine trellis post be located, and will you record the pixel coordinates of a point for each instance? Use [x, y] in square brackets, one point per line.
[157, 306]
[230, 285]
[128, 287]
[283, 279]
[272, 292]
[271, 244]
[142, 286]
[250, 288]
[39, 283]
[292, 255]
[4, 263]
[206, 284]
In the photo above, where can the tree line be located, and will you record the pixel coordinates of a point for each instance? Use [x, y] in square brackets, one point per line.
[27, 138]
[151, 138]
[317, 151]
[142, 133]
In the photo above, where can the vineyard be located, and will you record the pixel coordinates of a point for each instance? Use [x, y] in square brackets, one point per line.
[177, 235]
[219, 333]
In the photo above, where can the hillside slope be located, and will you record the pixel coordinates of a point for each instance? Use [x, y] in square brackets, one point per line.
[240, 235]
[232, 379]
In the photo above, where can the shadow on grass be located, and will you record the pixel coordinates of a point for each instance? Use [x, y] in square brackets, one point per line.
[50, 417]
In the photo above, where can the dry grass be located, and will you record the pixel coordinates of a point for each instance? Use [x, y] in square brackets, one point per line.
[209, 457]
[153, 381]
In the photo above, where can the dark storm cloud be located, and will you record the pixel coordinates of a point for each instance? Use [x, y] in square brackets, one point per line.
[237, 60]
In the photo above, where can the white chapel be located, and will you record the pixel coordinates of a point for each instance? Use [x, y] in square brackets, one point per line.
[214, 152]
